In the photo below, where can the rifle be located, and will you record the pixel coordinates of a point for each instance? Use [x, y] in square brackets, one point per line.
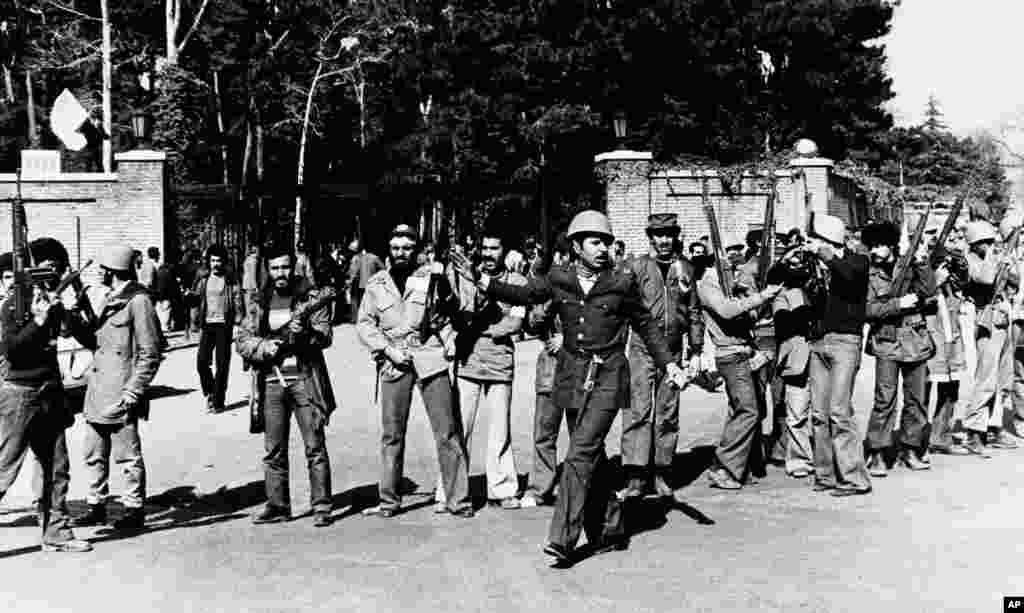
[767, 249]
[721, 266]
[901, 273]
[986, 319]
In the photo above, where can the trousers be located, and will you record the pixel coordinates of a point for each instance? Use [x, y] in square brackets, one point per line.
[123, 443]
[547, 421]
[913, 418]
[991, 379]
[37, 420]
[740, 449]
[281, 404]
[396, 399]
[799, 430]
[838, 451]
[650, 425]
[214, 344]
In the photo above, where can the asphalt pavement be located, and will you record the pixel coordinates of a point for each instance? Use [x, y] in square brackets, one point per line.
[941, 540]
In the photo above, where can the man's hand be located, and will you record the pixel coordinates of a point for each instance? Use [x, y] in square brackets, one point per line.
[554, 344]
[273, 347]
[771, 291]
[677, 376]
[295, 327]
[399, 357]
[909, 301]
[695, 365]
[449, 348]
[40, 307]
[941, 275]
[463, 266]
[129, 400]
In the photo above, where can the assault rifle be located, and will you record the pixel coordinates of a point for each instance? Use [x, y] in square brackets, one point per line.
[901, 273]
[725, 279]
[767, 248]
[986, 319]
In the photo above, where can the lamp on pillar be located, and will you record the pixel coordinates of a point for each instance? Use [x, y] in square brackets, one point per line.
[142, 124]
[621, 129]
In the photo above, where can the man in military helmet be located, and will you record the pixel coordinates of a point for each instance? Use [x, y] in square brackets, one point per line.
[596, 304]
[650, 425]
[126, 340]
[993, 373]
[902, 345]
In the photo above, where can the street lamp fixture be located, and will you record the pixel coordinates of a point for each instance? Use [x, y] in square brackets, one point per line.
[621, 129]
[142, 124]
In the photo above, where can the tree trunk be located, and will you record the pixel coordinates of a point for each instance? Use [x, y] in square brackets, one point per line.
[172, 17]
[30, 109]
[219, 108]
[301, 171]
[108, 124]
[360, 89]
[8, 85]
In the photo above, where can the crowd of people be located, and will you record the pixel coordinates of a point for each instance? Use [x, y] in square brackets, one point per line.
[618, 332]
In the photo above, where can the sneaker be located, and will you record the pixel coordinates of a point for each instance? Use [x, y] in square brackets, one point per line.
[974, 445]
[440, 507]
[510, 503]
[133, 519]
[69, 546]
[1002, 440]
[380, 511]
[465, 512]
[321, 519]
[97, 516]
[272, 515]
[800, 473]
[953, 449]
[528, 501]
[909, 459]
[842, 492]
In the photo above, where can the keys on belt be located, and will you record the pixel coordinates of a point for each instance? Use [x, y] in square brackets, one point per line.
[592, 366]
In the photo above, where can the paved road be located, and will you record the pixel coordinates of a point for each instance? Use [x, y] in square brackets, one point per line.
[945, 540]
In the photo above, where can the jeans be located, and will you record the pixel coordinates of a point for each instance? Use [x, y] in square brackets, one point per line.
[395, 400]
[913, 418]
[799, 431]
[587, 500]
[280, 404]
[30, 419]
[993, 358]
[214, 339]
[740, 448]
[650, 425]
[500, 466]
[838, 451]
[547, 420]
[123, 442]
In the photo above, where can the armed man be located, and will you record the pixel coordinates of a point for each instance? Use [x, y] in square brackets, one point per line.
[650, 425]
[596, 305]
[730, 314]
[836, 337]
[901, 344]
[33, 412]
[994, 371]
[405, 320]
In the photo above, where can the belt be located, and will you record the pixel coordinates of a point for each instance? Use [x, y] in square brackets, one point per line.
[603, 354]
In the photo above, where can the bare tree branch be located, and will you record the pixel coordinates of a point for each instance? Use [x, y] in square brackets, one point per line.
[195, 24]
[72, 11]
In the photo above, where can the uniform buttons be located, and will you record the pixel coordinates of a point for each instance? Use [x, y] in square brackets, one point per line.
[580, 336]
[581, 320]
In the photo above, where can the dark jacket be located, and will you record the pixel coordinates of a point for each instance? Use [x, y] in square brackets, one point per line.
[233, 306]
[844, 309]
[897, 334]
[676, 312]
[307, 347]
[593, 324]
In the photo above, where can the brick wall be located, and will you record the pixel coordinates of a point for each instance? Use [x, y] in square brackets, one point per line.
[634, 191]
[129, 207]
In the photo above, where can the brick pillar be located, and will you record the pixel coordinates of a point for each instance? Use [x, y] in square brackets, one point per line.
[817, 172]
[627, 194]
[141, 181]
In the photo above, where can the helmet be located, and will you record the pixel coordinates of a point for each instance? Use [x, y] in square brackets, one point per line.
[978, 231]
[117, 257]
[733, 241]
[1011, 221]
[830, 228]
[590, 222]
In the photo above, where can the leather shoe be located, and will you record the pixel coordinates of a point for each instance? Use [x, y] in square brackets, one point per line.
[876, 466]
[69, 546]
[823, 487]
[97, 516]
[723, 480]
[1002, 440]
[909, 459]
[562, 556]
[953, 449]
[609, 545]
[381, 511]
[321, 519]
[133, 519]
[662, 487]
[271, 515]
[465, 512]
[974, 445]
[843, 492]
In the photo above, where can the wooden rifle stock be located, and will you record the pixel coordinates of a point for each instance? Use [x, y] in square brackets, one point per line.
[901, 273]
[764, 259]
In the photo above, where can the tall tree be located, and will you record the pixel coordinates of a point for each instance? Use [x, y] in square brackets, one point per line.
[933, 116]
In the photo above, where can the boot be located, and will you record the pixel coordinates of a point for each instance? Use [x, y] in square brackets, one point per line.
[999, 439]
[132, 520]
[909, 459]
[662, 488]
[876, 465]
[97, 516]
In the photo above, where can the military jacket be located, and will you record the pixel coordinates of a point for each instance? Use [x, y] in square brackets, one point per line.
[897, 334]
[595, 323]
